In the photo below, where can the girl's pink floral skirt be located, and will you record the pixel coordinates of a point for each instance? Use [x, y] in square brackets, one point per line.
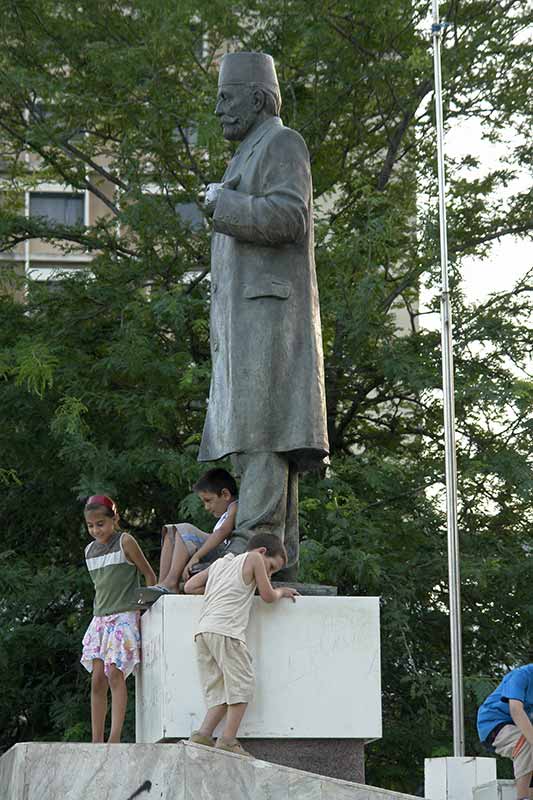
[114, 639]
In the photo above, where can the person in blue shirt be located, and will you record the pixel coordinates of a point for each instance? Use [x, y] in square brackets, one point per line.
[504, 725]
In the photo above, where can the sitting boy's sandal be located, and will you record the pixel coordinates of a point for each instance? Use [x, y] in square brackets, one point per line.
[232, 746]
[149, 594]
[199, 738]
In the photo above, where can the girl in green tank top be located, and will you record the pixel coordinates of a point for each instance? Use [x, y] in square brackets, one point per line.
[111, 645]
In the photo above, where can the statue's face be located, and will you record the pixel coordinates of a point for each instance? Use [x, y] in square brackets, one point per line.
[236, 110]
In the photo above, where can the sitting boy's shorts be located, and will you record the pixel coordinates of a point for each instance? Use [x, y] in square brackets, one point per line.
[511, 743]
[193, 539]
[225, 667]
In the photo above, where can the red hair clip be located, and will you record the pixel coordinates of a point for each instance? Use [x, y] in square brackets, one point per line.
[102, 500]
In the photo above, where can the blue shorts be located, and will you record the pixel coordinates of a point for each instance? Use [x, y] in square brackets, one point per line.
[193, 542]
[193, 538]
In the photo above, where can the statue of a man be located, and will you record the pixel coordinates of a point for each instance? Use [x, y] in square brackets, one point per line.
[267, 401]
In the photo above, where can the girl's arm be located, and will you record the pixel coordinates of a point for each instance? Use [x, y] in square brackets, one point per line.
[196, 584]
[214, 539]
[133, 553]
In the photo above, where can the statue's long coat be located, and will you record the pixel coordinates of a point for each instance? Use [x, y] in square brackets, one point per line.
[267, 382]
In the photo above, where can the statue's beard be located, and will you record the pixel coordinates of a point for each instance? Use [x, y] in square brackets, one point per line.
[236, 128]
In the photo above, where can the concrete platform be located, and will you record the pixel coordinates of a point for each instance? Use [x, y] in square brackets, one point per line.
[454, 777]
[34, 771]
[495, 790]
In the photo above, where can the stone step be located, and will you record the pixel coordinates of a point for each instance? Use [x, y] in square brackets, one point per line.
[182, 771]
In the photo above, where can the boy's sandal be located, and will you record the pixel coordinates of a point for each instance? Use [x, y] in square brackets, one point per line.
[149, 594]
[232, 746]
[199, 738]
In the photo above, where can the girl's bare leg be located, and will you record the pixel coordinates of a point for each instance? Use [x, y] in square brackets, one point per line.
[119, 700]
[99, 688]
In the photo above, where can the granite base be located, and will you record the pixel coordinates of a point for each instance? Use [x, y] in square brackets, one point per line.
[61, 771]
[333, 758]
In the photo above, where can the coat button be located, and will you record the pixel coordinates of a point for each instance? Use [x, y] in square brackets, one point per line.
[214, 288]
[215, 346]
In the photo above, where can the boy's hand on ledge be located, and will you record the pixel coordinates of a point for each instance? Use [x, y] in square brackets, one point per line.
[186, 574]
[288, 591]
[196, 584]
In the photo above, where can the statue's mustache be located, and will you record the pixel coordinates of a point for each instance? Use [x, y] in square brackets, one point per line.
[229, 120]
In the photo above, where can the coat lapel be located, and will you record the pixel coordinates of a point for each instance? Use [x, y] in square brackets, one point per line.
[248, 146]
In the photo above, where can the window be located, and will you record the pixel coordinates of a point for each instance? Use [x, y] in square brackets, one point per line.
[37, 291]
[47, 280]
[65, 209]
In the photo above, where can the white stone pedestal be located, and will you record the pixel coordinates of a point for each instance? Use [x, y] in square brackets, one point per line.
[456, 778]
[317, 664]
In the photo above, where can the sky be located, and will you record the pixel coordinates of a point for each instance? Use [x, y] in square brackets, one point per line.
[510, 257]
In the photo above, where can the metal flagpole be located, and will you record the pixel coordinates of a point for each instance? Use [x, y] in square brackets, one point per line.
[454, 579]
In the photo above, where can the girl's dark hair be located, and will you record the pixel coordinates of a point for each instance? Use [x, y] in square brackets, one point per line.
[214, 480]
[272, 544]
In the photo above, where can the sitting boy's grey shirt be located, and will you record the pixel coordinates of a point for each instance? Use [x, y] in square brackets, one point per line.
[227, 599]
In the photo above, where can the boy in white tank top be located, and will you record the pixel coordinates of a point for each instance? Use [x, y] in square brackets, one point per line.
[224, 662]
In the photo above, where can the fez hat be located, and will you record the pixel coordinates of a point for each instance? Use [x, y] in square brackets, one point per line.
[249, 68]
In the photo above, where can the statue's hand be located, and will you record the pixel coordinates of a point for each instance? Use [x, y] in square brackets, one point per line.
[211, 196]
[213, 191]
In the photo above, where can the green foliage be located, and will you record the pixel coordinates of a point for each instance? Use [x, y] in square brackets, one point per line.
[103, 381]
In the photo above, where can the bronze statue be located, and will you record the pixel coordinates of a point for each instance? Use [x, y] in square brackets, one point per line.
[267, 401]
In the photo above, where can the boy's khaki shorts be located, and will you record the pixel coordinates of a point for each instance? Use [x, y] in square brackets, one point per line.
[225, 667]
[511, 743]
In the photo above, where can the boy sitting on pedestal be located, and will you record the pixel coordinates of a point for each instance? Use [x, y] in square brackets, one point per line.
[504, 725]
[184, 545]
[224, 662]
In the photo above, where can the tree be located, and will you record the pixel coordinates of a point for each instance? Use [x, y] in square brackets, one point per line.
[104, 381]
